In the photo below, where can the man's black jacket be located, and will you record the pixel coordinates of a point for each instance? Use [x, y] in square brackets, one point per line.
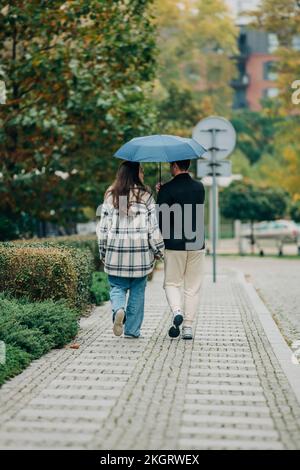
[188, 194]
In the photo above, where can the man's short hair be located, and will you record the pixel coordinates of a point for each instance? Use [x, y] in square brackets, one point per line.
[183, 164]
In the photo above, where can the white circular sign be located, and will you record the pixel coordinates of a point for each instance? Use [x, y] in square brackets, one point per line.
[219, 131]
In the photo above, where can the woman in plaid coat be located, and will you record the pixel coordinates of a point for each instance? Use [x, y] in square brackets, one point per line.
[129, 242]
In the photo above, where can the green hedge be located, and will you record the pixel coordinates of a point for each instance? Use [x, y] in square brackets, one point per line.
[86, 242]
[41, 271]
[99, 288]
[29, 330]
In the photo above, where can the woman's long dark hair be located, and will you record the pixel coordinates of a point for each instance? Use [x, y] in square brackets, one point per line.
[126, 180]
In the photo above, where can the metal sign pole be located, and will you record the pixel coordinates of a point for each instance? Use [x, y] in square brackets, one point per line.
[214, 203]
[214, 164]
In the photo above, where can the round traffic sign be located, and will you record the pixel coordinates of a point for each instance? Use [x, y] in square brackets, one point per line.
[218, 133]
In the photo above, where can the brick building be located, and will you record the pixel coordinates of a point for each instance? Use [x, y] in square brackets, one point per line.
[256, 78]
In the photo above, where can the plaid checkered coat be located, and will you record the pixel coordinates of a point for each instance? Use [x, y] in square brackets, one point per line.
[129, 240]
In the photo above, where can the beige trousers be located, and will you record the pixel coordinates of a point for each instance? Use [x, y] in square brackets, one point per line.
[183, 277]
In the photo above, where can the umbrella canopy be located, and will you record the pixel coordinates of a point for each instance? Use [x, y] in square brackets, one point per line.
[160, 148]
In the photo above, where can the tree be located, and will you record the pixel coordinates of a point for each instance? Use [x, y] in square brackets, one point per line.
[78, 76]
[196, 40]
[282, 17]
[249, 203]
[279, 164]
[282, 168]
[179, 110]
[295, 211]
[256, 132]
[279, 16]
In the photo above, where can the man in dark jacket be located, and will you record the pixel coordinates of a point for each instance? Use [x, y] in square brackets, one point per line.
[181, 221]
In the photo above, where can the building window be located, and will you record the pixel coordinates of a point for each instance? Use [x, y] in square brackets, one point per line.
[273, 42]
[270, 93]
[269, 72]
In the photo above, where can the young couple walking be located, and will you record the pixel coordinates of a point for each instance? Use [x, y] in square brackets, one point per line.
[134, 231]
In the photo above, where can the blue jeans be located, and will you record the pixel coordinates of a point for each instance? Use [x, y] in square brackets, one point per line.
[134, 311]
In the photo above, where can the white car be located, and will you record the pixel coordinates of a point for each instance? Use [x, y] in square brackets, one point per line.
[279, 231]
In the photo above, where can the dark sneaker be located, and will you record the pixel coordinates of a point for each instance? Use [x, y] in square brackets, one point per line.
[187, 332]
[118, 322]
[177, 318]
[174, 331]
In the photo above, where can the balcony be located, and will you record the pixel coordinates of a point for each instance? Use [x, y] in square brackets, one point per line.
[243, 53]
[240, 82]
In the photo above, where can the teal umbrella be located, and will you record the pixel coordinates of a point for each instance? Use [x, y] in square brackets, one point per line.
[160, 149]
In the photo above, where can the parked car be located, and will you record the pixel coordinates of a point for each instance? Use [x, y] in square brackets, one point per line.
[279, 232]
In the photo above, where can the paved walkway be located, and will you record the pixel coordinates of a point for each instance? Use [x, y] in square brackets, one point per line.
[277, 281]
[224, 390]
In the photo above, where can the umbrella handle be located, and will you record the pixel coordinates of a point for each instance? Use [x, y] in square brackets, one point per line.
[160, 172]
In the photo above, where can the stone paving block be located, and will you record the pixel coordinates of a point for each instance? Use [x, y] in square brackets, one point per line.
[220, 432]
[228, 444]
[70, 403]
[88, 384]
[80, 393]
[220, 420]
[223, 380]
[52, 426]
[197, 397]
[46, 437]
[199, 408]
[221, 371]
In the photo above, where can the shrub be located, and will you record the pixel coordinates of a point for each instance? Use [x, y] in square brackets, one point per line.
[41, 272]
[29, 330]
[99, 288]
[82, 242]
[83, 263]
[16, 361]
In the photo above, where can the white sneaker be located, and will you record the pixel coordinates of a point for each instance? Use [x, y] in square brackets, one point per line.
[187, 332]
[118, 322]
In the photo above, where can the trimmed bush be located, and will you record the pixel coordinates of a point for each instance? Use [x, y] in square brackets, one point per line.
[29, 330]
[45, 271]
[81, 242]
[100, 288]
[16, 361]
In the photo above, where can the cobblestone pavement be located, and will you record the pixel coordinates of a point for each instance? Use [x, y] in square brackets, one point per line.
[277, 282]
[224, 390]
